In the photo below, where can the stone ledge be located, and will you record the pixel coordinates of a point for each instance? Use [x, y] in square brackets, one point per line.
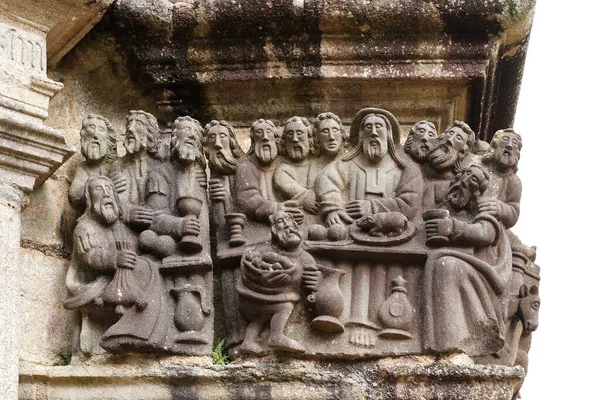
[406, 378]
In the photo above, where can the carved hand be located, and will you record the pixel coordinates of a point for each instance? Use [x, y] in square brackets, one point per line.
[439, 227]
[337, 217]
[119, 181]
[277, 278]
[490, 206]
[85, 242]
[358, 208]
[141, 216]
[200, 176]
[126, 259]
[311, 276]
[292, 207]
[190, 226]
[98, 301]
[310, 203]
[216, 190]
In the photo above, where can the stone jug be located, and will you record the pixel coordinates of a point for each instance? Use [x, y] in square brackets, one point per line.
[328, 301]
[396, 313]
[189, 314]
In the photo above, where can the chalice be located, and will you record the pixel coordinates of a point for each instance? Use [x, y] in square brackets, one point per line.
[190, 207]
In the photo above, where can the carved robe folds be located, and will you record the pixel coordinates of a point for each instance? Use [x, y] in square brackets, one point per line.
[388, 187]
[255, 195]
[465, 290]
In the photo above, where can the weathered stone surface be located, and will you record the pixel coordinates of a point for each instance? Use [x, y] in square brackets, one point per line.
[217, 60]
[30, 151]
[44, 218]
[481, 44]
[47, 329]
[10, 227]
[383, 379]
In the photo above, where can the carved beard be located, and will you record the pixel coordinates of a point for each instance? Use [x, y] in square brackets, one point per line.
[222, 161]
[289, 238]
[106, 209]
[375, 147]
[508, 158]
[265, 152]
[458, 196]
[133, 144]
[442, 156]
[186, 151]
[416, 148]
[297, 151]
[93, 149]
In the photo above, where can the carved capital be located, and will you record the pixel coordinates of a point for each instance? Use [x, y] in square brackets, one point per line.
[29, 152]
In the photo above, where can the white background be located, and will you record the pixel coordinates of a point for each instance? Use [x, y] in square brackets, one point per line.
[557, 117]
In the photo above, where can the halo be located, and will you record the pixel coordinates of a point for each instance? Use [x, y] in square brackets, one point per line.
[355, 127]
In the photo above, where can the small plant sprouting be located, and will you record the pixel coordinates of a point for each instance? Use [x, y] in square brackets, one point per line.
[66, 357]
[219, 354]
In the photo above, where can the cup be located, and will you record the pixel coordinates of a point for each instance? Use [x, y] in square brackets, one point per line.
[436, 213]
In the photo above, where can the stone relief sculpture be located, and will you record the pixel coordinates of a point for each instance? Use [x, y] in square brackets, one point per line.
[420, 140]
[328, 245]
[99, 149]
[378, 179]
[468, 278]
[141, 248]
[295, 176]
[270, 285]
[451, 151]
[255, 195]
[504, 194]
[223, 153]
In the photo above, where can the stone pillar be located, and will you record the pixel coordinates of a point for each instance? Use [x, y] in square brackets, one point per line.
[30, 151]
[11, 202]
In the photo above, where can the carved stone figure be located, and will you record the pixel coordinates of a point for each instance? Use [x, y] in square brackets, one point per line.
[330, 142]
[255, 194]
[175, 193]
[465, 283]
[448, 155]
[130, 172]
[99, 148]
[141, 273]
[179, 231]
[372, 178]
[105, 271]
[421, 138]
[223, 153]
[269, 285]
[292, 177]
[503, 196]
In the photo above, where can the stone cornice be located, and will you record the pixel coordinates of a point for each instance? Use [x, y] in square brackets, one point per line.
[179, 47]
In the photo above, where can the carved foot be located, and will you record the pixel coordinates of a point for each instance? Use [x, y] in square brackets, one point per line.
[193, 337]
[286, 344]
[362, 339]
[326, 323]
[252, 348]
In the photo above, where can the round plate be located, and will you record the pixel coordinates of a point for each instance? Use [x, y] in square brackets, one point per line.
[363, 237]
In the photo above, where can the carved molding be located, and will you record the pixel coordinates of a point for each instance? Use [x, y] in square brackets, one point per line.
[30, 152]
